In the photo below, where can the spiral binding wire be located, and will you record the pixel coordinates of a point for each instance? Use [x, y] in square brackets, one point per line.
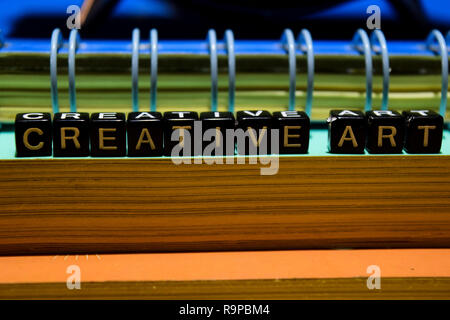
[74, 42]
[379, 45]
[288, 43]
[229, 44]
[135, 69]
[153, 68]
[212, 48]
[361, 42]
[434, 37]
[306, 46]
[55, 45]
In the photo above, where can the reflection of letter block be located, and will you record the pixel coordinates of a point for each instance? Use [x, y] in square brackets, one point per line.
[108, 134]
[293, 131]
[385, 131]
[145, 134]
[214, 126]
[71, 134]
[346, 131]
[33, 134]
[424, 130]
[256, 124]
[183, 121]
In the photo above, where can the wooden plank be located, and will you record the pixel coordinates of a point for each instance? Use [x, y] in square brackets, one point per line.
[63, 206]
[310, 274]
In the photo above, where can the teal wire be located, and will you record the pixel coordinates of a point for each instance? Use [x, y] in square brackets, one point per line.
[55, 45]
[359, 38]
[287, 40]
[135, 70]
[229, 42]
[433, 37]
[74, 40]
[154, 68]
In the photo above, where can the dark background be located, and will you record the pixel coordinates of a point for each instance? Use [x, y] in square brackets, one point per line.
[182, 19]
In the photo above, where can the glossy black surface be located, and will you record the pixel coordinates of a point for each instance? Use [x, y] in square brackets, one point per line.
[385, 131]
[108, 134]
[214, 127]
[257, 125]
[346, 131]
[181, 124]
[145, 134]
[293, 131]
[33, 134]
[424, 129]
[71, 134]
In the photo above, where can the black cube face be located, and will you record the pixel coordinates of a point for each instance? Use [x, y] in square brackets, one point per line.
[181, 125]
[424, 129]
[214, 127]
[385, 131]
[346, 131]
[71, 134]
[145, 134]
[257, 125]
[293, 131]
[33, 133]
[108, 134]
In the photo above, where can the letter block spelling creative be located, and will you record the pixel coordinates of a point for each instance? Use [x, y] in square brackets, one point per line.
[293, 132]
[145, 134]
[108, 134]
[179, 133]
[71, 134]
[214, 126]
[33, 132]
[256, 125]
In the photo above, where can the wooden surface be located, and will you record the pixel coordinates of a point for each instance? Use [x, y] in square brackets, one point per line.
[304, 274]
[136, 205]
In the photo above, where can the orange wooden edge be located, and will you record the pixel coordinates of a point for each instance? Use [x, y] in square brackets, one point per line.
[228, 265]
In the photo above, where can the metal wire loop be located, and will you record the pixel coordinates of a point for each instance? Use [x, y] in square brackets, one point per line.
[361, 43]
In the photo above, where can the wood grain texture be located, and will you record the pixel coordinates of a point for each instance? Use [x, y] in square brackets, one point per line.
[133, 205]
[305, 289]
[291, 274]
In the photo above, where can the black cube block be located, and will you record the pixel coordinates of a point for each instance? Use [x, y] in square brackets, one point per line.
[256, 125]
[33, 132]
[293, 131]
[145, 134]
[385, 131]
[108, 134]
[346, 131]
[71, 134]
[214, 127]
[181, 125]
[424, 129]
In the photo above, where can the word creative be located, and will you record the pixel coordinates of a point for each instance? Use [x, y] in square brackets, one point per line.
[151, 134]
